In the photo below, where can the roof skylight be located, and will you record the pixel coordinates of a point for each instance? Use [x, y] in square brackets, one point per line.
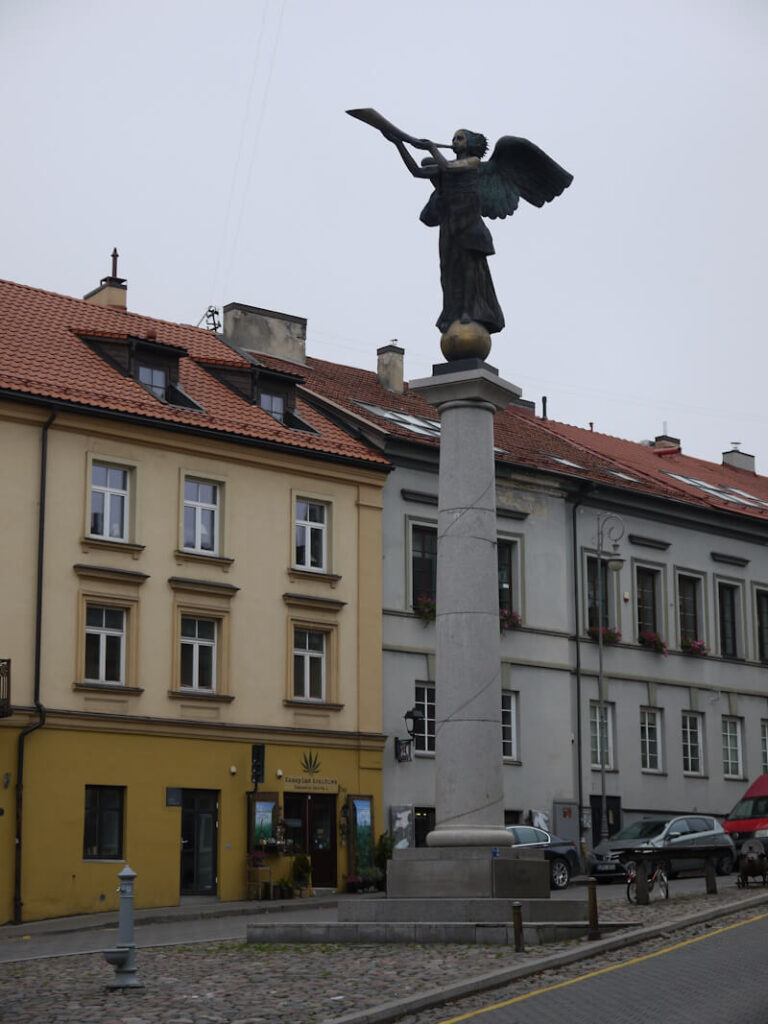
[416, 424]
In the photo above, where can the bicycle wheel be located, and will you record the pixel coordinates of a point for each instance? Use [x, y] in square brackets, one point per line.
[662, 885]
[632, 890]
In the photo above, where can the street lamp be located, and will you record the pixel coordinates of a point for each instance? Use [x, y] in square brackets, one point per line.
[609, 527]
[413, 719]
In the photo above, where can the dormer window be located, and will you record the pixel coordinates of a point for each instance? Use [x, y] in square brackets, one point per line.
[154, 379]
[273, 404]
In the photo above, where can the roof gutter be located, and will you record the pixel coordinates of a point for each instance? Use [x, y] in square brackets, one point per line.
[17, 901]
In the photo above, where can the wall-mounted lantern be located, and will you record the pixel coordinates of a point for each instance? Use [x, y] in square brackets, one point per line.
[403, 748]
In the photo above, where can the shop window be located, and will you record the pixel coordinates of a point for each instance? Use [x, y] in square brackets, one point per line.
[103, 832]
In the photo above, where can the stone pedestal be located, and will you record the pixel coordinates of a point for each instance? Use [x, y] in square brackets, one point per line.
[469, 804]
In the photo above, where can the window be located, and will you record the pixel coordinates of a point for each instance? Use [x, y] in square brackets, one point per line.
[761, 598]
[423, 824]
[727, 601]
[201, 510]
[423, 562]
[764, 746]
[688, 589]
[601, 734]
[308, 664]
[154, 379]
[732, 762]
[273, 404]
[647, 600]
[509, 725]
[103, 832]
[198, 654]
[650, 739]
[104, 644]
[593, 618]
[424, 731]
[311, 551]
[693, 743]
[506, 551]
[109, 501]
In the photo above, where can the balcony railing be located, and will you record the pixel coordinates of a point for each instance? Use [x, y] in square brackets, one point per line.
[5, 687]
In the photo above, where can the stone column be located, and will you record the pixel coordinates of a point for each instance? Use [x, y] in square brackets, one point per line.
[469, 805]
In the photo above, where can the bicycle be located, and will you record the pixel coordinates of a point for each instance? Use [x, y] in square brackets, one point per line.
[656, 882]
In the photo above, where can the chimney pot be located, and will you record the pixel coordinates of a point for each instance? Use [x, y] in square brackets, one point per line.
[389, 367]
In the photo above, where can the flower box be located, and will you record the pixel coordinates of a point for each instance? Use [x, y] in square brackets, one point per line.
[610, 634]
[509, 620]
[653, 642]
[425, 607]
[694, 648]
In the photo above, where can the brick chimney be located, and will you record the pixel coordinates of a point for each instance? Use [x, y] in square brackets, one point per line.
[389, 367]
[665, 441]
[263, 330]
[112, 291]
[739, 460]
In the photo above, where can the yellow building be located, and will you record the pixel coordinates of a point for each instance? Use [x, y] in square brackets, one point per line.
[191, 599]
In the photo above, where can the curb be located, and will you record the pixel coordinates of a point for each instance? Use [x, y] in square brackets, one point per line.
[392, 1011]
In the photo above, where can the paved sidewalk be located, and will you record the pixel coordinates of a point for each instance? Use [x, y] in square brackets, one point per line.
[233, 983]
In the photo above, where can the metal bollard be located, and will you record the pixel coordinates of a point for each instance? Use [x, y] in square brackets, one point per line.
[594, 927]
[517, 926]
[123, 956]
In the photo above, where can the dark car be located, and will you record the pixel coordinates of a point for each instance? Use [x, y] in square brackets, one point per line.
[562, 855]
[686, 830]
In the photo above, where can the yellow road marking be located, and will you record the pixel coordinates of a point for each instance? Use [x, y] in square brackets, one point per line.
[602, 970]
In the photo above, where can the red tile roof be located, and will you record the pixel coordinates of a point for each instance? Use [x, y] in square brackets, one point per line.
[43, 356]
[527, 440]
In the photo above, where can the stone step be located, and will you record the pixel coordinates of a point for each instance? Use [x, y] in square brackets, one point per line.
[471, 911]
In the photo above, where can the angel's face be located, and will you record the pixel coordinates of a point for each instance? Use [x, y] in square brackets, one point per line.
[459, 143]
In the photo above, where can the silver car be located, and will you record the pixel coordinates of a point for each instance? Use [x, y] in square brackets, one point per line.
[686, 830]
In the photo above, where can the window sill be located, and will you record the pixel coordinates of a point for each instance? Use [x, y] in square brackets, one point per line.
[104, 544]
[212, 698]
[202, 559]
[297, 575]
[319, 705]
[608, 771]
[131, 691]
[428, 754]
[513, 761]
[695, 775]
[104, 860]
[654, 771]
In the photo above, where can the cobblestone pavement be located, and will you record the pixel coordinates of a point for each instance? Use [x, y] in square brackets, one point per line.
[234, 983]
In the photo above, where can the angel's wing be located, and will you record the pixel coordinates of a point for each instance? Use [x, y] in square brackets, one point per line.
[519, 168]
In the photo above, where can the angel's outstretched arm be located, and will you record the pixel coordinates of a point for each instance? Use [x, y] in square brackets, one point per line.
[410, 163]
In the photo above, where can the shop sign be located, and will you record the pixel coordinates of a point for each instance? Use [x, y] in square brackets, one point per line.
[310, 784]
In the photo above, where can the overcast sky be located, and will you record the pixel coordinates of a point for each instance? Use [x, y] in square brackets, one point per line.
[208, 142]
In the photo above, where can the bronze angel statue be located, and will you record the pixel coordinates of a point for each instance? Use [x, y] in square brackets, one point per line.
[466, 190]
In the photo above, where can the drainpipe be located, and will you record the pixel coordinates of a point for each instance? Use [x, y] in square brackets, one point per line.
[17, 902]
[583, 491]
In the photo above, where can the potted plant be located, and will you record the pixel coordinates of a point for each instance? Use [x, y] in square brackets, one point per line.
[285, 888]
[425, 607]
[352, 883]
[371, 879]
[509, 620]
[694, 648]
[610, 634]
[385, 844]
[648, 638]
[256, 857]
[301, 873]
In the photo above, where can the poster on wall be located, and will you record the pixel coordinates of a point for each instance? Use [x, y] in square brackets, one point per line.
[363, 831]
[401, 826]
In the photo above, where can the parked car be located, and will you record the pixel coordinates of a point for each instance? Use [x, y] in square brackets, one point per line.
[686, 830]
[749, 818]
[562, 855]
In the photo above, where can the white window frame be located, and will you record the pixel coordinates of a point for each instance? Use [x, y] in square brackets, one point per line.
[306, 656]
[198, 507]
[424, 701]
[603, 713]
[695, 744]
[154, 374]
[110, 494]
[103, 632]
[273, 404]
[733, 747]
[311, 530]
[650, 737]
[196, 644]
[509, 720]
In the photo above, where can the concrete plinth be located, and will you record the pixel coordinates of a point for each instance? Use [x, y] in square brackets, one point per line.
[469, 872]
